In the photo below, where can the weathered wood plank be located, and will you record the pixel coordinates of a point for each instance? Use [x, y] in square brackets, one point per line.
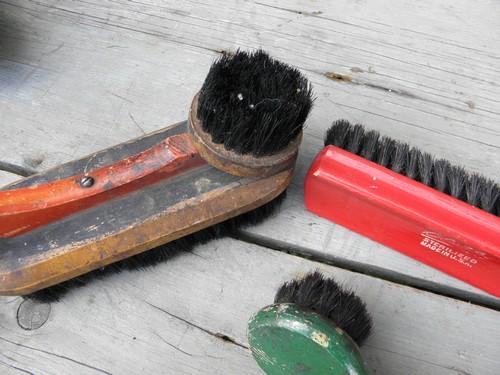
[80, 76]
[422, 93]
[168, 319]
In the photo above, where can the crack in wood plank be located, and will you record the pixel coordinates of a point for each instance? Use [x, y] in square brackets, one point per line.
[106, 21]
[57, 355]
[417, 126]
[175, 347]
[407, 94]
[370, 270]
[8, 365]
[218, 335]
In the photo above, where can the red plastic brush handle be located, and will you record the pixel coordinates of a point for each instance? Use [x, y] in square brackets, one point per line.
[24, 209]
[421, 222]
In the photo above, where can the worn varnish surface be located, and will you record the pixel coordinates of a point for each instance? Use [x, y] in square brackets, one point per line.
[79, 76]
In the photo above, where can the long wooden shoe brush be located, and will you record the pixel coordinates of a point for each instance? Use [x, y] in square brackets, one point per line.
[314, 327]
[235, 153]
[405, 199]
[162, 253]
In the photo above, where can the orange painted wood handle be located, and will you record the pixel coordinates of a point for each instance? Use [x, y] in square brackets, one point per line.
[24, 209]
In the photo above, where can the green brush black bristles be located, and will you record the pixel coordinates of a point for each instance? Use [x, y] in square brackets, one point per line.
[327, 298]
[439, 174]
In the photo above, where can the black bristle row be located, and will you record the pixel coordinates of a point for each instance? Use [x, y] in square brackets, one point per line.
[439, 174]
[253, 104]
[327, 298]
[162, 253]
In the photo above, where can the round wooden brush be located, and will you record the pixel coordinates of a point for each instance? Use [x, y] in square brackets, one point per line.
[313, 327]
[248, 116]
[246, 120]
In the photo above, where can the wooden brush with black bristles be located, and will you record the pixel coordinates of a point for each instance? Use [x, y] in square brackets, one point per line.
[406, 199]
[162, 253]
[165, 191]
[315, 326]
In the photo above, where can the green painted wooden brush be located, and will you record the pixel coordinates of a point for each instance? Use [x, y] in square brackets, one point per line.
[314, 327]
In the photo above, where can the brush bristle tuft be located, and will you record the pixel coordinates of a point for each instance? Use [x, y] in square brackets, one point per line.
[327, 298]
[163, 253]
[338, 133]
[253, 104]
[420, 166]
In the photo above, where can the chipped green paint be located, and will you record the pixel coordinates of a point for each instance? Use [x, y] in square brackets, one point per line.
[286, 340]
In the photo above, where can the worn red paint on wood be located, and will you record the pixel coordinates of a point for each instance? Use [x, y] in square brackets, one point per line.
[24, 209]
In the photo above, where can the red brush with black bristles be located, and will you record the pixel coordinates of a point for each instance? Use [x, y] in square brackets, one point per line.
[405, 199]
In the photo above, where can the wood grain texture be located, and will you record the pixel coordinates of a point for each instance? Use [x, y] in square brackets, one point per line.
[170, 320]
[75, 70]
[81, 76]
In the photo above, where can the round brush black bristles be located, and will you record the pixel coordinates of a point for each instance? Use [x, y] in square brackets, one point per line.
[253, 104]
[325, 297]
[439, 174]
[164, 252]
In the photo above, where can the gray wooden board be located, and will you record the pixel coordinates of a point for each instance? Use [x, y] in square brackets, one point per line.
[168, 319]
[79, 76]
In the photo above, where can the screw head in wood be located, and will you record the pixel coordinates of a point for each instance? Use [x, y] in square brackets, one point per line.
[87, 181]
